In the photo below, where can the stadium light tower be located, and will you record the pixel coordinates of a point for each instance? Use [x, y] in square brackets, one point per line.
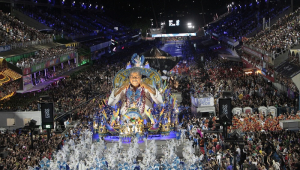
[151, 22]
[190, 25]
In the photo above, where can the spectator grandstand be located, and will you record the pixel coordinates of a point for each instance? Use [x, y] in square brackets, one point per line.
[78, 82]
[15, 34]
[280, 38]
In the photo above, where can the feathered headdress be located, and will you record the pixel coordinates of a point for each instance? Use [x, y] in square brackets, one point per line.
[137, 60]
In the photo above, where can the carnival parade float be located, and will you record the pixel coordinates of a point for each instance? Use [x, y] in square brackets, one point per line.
[140, 104]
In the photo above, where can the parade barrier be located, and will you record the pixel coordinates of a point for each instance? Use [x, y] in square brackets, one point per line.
[275, 111]
[290, 124]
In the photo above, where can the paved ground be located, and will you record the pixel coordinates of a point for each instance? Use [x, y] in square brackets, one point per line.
[173, 48]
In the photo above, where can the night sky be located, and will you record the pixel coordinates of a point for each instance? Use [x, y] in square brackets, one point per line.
[163, 9]
[134, 12]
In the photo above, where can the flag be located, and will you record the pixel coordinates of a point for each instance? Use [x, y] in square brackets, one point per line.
[161, 112]
[165, 89]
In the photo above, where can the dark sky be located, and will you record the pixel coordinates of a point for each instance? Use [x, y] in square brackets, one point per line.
[130, 12]
[163, 9]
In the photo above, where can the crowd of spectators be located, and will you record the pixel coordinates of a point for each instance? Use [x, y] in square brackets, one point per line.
[242, 22]
[44, 55]
[270, 148]
[20, 153]
[247, 89]
[80, 93]
[281, 37]
[96, 78]
[287, 82]
[68, 94]
[74, 24]
[266, 145]
[9, 88]
[61, 23]
[13, 31]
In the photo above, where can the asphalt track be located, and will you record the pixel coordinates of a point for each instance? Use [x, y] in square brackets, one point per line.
[173, 47]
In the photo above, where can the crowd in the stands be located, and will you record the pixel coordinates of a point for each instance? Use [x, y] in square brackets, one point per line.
[73, 23]
[264, 148]
[247, 90]
[21, 155]
[9, 88]
[13, 31]
[281, 37]
[44, 55]
[61, 23]
[244, 20]
[98, 78]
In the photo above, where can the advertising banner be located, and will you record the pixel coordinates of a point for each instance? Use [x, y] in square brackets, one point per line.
[225, 109]
[251, 52]
[73, 44]
[47, 115]
[67, 57]
[52, 62]
[37, 67]
[27, 79]
[26, 71]
[202, 102]
[247, 64]
[5, 48]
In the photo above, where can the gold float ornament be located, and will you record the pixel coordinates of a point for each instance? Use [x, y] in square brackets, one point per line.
[166, 128]
[102, 130]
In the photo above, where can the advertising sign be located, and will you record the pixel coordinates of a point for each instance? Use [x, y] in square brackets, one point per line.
[47, 115]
